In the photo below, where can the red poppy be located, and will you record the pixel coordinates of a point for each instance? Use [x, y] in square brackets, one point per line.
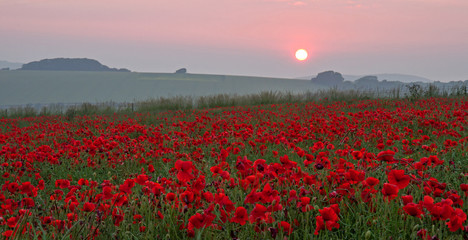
[390, 191]
[141, 179]
[413, 209]
[187, 197]
[27, 202]
[258, 213]
[62, 183]
[456, 220]
[303, 204]
[127, 186]
[371, 181]
[12, 221]
[28, 188]
[328, 218]
[287, 228]
[268, 194]
[240, 216]
[200, 221]
[7, 234]
[184, 168]
[464, 188]
[117, 216]
[398, 177]
[170, 196]
[407, 199]
[88, 207]
[386, 156]
[137, 218]
[13, 187]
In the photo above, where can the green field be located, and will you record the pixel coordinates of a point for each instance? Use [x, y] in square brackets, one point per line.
[42, 87]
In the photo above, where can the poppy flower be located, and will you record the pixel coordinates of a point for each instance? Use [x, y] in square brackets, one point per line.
[240, 216]
[127, 186]
[386, 156]
[328, 218]
[268, 194]
[287, 228]
[187, 197]
[407, 199]
[200, 221]
[184, 173]
[13, 187]
[141, 179]
[390, 191]
[117, 216]
[62, 183]
[456, 220]
[137, 218]
[12, 221]
[28, 202]
[7, 234]
[413, 209]
[88, 207]
[258, 213]
[28, 188]
[441, 211]
[464, 188]
[170, 196]
[303, 204]
[398, 177]
[371, 181]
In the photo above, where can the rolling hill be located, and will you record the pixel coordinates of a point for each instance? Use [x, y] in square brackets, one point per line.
[22, 87]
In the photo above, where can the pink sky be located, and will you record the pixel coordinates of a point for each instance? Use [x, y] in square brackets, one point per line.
[244, 37]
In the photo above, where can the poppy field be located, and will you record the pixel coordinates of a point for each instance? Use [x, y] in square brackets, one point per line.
[368, 169]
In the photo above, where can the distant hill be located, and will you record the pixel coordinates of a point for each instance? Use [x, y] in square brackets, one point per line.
[10, 65]
[393, 77]
[34, 87]
[69, 64]
[328, 78]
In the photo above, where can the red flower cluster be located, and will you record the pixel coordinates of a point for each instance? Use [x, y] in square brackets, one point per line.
[275, 169]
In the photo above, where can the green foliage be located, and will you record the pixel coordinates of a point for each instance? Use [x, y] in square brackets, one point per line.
[413, 92]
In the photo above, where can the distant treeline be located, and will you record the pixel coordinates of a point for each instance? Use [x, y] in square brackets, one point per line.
[335, 79]
[69, 64]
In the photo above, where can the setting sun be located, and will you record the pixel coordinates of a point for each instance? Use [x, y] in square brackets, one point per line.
[301, 54]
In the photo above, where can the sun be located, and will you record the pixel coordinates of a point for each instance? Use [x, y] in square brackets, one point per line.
[301, 54]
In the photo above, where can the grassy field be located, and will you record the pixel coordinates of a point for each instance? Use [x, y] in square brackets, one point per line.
[32, 87]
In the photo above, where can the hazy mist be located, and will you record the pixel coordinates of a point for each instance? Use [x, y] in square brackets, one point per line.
[255, 37]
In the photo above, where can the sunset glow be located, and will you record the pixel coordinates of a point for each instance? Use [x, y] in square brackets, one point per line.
[426, 38]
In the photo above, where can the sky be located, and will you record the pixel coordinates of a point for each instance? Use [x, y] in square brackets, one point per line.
[428, 38]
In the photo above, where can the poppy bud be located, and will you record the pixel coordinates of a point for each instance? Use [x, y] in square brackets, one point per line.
[273, 232]
[318, 166]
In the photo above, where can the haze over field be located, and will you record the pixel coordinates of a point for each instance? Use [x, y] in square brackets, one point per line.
[44, 87]
[244, 37]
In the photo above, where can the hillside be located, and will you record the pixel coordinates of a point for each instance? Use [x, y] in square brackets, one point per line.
[33, 87]
[69, 64]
